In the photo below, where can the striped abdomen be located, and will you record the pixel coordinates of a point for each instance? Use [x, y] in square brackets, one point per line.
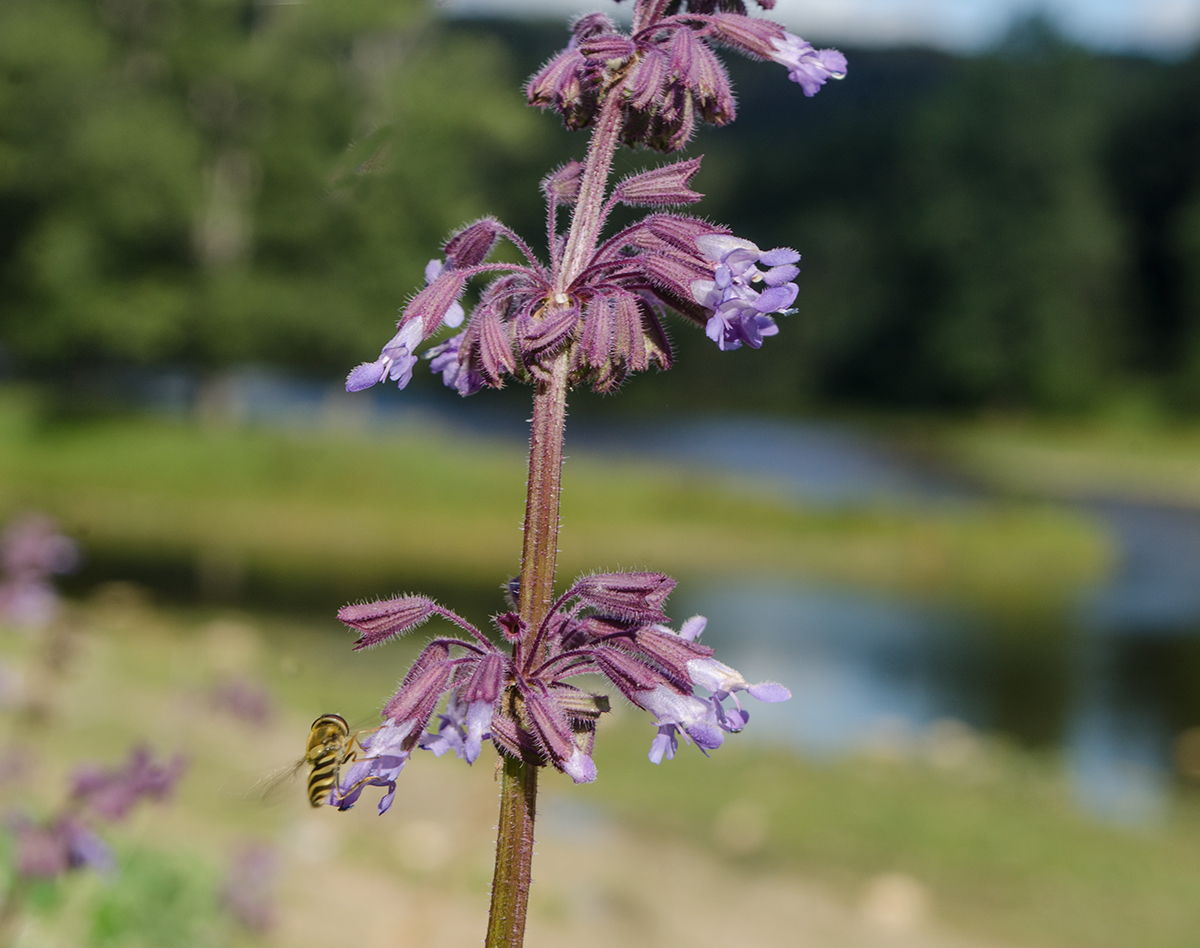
[328, 748]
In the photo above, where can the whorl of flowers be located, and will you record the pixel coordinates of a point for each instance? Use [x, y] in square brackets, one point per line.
[523, 701]
[606, 303]
[665, 71]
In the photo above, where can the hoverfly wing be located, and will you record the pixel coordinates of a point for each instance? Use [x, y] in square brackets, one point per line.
[272, 786]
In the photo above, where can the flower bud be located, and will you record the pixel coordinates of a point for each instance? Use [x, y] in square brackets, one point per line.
[471, 245]
[431, 304]
[631, 595]
[660, 186]
[562, 185]
[379, 621]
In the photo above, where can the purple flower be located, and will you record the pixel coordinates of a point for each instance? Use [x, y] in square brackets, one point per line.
[395, 362]
[446, 358]
[676, 713]
[807, 66]
[608, 624]
[723, 681]
[112, 792]
[386, 751]
[666, 74]
[739, 307]
[463, 730]
[608, 317]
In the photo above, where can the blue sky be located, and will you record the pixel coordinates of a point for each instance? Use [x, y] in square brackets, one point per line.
[1157, 26]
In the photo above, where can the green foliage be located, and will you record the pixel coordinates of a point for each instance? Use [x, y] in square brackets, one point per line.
[428, 504]
[158, 900]
[215, 181]
[1021, 239]
[204, 179]
[995, 835]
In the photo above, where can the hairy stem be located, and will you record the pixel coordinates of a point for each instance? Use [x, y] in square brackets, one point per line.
[588, 217]
[539, 552]
[514, 855]
[518, 792]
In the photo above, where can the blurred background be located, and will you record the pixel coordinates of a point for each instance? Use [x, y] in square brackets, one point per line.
[954, 505]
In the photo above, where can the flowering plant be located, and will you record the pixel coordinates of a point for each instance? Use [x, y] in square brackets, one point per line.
[590, 314]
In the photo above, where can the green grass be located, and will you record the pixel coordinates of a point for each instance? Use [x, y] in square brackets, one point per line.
[1148, 463]
[997, 840]
[990, 830]
[385, 511]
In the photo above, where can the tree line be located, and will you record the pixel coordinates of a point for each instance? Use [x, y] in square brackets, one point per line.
[207, 182]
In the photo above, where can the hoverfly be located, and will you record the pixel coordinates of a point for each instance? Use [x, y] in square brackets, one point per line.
[330, 747]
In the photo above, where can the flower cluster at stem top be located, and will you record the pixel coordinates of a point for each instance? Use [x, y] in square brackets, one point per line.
[604, 302]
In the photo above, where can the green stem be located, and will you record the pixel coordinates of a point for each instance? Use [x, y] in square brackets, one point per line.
[514, 855]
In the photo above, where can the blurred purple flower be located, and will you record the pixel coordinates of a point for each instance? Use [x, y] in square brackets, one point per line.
[32, 546]
[243, 698]
[49, 851]
[111, 793]
[31, 551]
[249, 884]
[67, 841]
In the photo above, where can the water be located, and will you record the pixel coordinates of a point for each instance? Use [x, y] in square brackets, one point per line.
[1110, 683]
